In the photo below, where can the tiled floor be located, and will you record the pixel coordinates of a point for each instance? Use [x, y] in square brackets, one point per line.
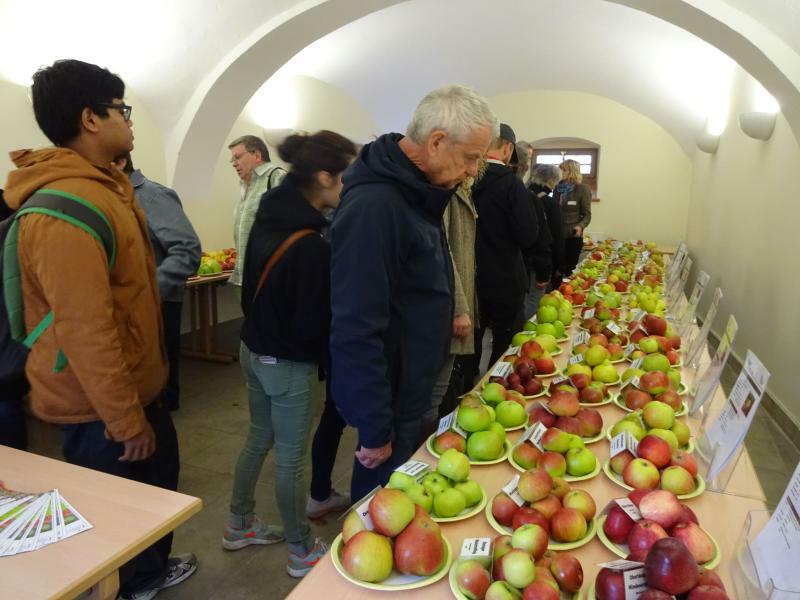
[212, 424]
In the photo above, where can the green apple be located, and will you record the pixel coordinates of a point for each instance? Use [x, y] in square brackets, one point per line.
[559, 327]
[546, 314]
[484, 445]
[401, 481]
[498, 429]
[630, 373]
[579, 368]
[658, 415]
[606, 372]
[420, 495]
[529, 326]
[580, 461]
[473, 418]
[547, 342]
[635, 429]
[493, 393]
[674, 377]
[449, 503]
[655, 362]
[546, 329]
[471, 490]
[511, 414]
[682, 432]
[492, 414]
[435, 483]
[667, 436]
[454, 465]
[575, 441]
[523, 336]
[596, 355]
[555, 440]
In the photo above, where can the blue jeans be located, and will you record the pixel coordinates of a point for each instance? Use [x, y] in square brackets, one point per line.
[532, 297]
[280, 415]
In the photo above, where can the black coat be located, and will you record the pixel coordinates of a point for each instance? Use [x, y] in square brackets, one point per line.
[506, 236]
[552, 215]
[290, 317]
[392, 295]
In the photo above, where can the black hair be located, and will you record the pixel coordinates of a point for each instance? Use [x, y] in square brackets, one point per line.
[310, 154]
[128, 168]
[61, 92]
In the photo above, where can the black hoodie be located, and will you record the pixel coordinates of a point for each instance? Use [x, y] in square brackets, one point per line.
[290, 317]
[391, 292]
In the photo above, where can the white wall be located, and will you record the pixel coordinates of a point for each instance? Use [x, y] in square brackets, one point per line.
[19, 130]
[742, 230]
[644, 176]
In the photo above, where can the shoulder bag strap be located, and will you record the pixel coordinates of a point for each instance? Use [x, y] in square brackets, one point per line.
[276, 256]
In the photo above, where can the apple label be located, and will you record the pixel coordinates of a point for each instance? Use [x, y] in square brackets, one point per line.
[501, 369]
[511, 489]
[620, 565]
[581, 338]
[629, 507]
[614, 328]
[574, 360]
[479, 549]
[535, 433]
[512, 351]
[532, 319]
[637, 364]
[414, 468]
[554, 384]
[621, 442]
[588, 314]
[448, 423]
[362, 508]
[629, 349]
[635, 583]
[638, 315]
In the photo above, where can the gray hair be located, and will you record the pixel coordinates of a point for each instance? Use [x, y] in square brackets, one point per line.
[252, 143]
[455, 109]
[544, 174]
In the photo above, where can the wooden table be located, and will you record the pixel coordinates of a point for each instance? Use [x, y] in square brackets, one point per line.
[722, 514]
[126, 517]
[204, 316]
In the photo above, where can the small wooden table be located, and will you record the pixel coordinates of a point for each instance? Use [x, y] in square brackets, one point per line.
[126, 516]
[204, 318]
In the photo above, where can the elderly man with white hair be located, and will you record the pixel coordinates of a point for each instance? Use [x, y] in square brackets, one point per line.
[392, 298]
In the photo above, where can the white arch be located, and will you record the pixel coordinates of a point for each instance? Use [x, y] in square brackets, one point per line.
[193, 145]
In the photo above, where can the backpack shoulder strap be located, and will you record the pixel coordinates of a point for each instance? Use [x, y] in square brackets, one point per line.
[276, 256]
[274, 170]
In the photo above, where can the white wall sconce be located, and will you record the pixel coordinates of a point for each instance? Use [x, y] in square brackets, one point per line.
[707, 142]
[758, 125]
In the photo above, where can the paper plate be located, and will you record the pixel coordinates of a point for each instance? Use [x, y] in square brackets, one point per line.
[607, 400]
[556, 373]
[699, 481]
[688, 447]
[396, 581]
[429, 448]
[569, 478]
[544, 392]
[621, 403]
[618, 361]
[596, 438]
[622, 550]
[590, 593]
[591, 531]
[518, 427]
[561, 340]
[459, 596]
[617, 381]
[468, 512]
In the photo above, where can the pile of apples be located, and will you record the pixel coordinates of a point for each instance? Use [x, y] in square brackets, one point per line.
[574, 291]
[405, 538]
[508, 406]
[564, 412]
[613, 344]
[657, 466]
[445, 492]
[655, 418]
[553, 315]
[533, 359]
[517, 573]
[580, 381]
[672, 546]
[217, 261]
[552, 509]
[485, 436]
[564, 454]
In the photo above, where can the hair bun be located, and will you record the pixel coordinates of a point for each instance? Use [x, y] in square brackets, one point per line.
[291, 146]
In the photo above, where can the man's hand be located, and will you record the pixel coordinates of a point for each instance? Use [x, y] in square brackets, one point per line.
[461, 325]
[578, 231]
[372, 458]
[140, 446]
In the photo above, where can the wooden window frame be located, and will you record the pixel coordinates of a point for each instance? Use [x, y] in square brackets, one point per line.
[589, 179]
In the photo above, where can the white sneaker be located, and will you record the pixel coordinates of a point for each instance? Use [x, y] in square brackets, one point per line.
[336, 502]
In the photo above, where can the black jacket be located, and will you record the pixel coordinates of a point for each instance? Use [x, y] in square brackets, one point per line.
[290, 317]
[506, 234]
[391, 292]
[552, 216]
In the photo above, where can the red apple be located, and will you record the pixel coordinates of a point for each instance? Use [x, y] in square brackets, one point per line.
[504, 508]
[591, 395]
[548, 506]
[654, 449]
[654, 382]
[644, 534]
[540, 590]
[567, 525]
[544, 365]
[527, 516]
[617, 525]
[687, 515]
[391, 510]
[419, 549]
[532, 387]
[707, 592]
[531, 349]
[501, 546]
[541, 415]
[526, 455]
[534, 485]
[447, 440]
[707, 577]
[609, 585]
[662, 507]
[591, 422]
[696, 540]
[635, 399]
[580, 381]
[570, 425]
[620, 461]
[568, 573]
[472, 579]
[368, 556]
[564, 404]
[654, 325]
[554, 463]
[671, 398]
[640, 473]
[581, 501]
[675, 341]
[636, 496]
[673, 357]
[681, 458]
[670, 567]
[654, 594]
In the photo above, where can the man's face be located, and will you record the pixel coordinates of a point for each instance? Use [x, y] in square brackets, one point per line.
[244, 161]
[116, 133]
[448, 163]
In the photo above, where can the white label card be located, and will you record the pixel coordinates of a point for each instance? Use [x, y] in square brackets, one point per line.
[581, 338]
[512, 351]
[621, 442]
[501, 369]
[629, 349]
[557, 382]
[635, 583]
[449, 423]
[533, 319]
[574, 360]
[415, 468]
[589, 313]
[620, 565]
[476, 548]
[629, 507]
[511, 489]
[637, 364]
[362, 508]
[614, 328]
[638, 315]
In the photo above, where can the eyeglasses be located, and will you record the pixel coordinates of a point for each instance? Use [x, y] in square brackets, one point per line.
[123, 108]
[237, 157]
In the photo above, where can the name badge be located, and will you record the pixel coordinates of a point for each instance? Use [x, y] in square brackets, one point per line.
[572, 202]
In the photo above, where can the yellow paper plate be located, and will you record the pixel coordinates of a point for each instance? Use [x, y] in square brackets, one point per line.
[556, 373]
[699, 481]
[607, 400]
[622, 550]
[590, 593]
[468, 512]
[544, 392]
[591, 531]
[621, 403]
[459, 596]
[688, 448]
[618, 361]
[518, 427]
[396, 581]
[567, 477]
[507, 447]
[561, 340]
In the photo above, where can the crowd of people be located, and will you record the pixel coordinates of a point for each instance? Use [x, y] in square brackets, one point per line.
[379, 269]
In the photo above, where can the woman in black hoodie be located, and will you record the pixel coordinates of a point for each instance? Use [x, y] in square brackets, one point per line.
[285, 340]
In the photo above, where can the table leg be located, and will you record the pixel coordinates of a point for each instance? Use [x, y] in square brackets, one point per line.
[193, 318]
[205, 317]
[105, 589]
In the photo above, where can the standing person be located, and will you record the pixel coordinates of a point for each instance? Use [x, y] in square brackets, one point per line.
[99, 368]
[250, 159]
[392, 278]
[286, 303]
[13, 385]
[459, 224]
[546, 261]
[524, 161]
[177, 251]
[507, 232]
[575, 201]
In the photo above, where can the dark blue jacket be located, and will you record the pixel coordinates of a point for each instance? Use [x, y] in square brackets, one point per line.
[391, 292]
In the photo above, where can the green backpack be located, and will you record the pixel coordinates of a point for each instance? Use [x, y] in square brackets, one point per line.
[15, 341]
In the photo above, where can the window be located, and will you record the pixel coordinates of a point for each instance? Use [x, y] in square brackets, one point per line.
[587, 157]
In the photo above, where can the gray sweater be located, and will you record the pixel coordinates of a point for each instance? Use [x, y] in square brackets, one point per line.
[175, 243]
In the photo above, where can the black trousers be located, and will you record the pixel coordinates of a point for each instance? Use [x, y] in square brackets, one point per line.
[13, 431]
[572, 252]
[171, 316]
[325, 447]
[86, 445]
